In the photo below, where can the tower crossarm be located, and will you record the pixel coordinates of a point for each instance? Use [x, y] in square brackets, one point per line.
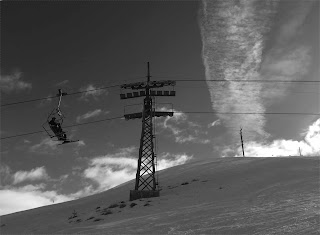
[153, 114]
[158, 84]
[134, 86]
[143, 89]
[151, 85]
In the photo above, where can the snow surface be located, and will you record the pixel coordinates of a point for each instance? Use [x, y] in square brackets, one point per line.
[218, 196]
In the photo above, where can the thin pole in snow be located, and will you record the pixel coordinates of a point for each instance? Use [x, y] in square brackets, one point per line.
[241, 142]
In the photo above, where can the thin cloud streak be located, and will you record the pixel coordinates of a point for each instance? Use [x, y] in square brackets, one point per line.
[90, 114]
[47, 145]
[91, 91]
[215, 123]
[64, 82]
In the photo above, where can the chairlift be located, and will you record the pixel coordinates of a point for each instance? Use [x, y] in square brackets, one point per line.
[55, 121]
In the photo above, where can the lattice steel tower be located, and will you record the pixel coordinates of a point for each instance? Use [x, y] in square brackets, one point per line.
[146, 185]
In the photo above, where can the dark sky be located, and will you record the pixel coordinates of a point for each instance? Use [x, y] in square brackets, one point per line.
[107, 38]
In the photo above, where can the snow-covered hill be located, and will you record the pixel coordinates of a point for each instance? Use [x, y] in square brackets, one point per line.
[218, 196]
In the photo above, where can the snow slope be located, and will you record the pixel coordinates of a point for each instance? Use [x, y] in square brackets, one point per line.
[218, 196]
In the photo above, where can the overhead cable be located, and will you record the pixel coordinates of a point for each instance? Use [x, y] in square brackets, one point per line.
[188, 112]
[242, 80]
[51, 97]
[79, 124]
[186, 79]
[180, 80]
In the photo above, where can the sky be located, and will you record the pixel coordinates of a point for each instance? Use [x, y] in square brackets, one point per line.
[82, 45]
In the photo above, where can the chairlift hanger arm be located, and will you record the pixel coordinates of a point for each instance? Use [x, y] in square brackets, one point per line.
[60, 94]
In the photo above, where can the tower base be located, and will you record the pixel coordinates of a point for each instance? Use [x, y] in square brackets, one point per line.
[137, 194]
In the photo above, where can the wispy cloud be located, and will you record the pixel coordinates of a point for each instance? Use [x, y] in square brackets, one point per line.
[92, 91]
[13, 82]
[5, 175]
[283, 64]
[26, 141]
[46, 101]
[112, 169]
[89, 114]
[182, 129]
[167, 160]
[35, 174]
[46, 145]
[80, 143]
[234, 36]
[293, 24]
[215, 123]
[64, 82]
[84, 192]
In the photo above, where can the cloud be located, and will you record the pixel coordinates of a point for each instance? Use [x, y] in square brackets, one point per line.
[182, 129]
[26, 141]
[36, 174]
[13, 82]
[80, 143]
[283, 65]
[47, 145]
[313, 135]
[106, 171]
[92, 91]
[5, 174]
[215, 123]
[234, 37]
[292, 26]
[168, 160]
[89, 114]
[113, 169]
[86, 191]
[39, 173]
[13, 199]
[309, 146]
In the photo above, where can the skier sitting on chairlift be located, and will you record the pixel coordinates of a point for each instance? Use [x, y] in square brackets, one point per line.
[56, 128]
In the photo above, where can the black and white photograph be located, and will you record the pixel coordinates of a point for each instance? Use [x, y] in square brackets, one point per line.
[178, 117]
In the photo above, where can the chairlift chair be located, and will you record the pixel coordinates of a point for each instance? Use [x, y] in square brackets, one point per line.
[55, 121]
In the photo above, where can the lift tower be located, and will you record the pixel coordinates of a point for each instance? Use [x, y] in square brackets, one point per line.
[146, 185]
